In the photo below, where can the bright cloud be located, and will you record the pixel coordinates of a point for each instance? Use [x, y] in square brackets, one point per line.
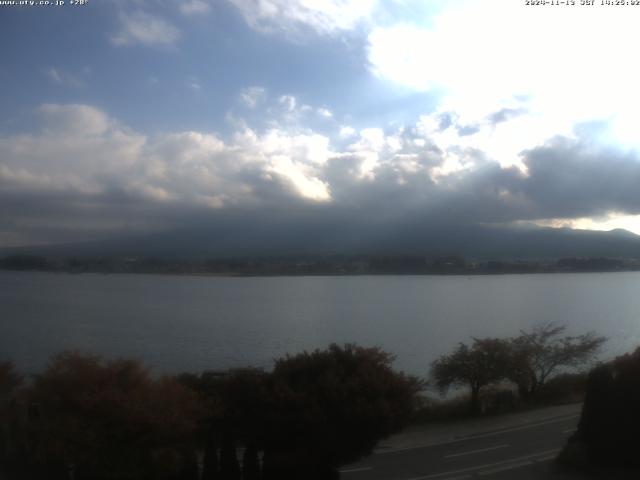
[607, 222]
[82, 148]
[347, 131]
[486, 55]
[79, 148]
[324, 112]
[298, 157]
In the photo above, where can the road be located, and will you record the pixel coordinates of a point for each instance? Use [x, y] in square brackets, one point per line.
[527, 448]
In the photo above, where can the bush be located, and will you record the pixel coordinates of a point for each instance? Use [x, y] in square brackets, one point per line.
[331, 407]
[315, 411]
[564, 388]
[610, 422]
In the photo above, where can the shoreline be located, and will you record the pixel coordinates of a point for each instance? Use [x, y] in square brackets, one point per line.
[309, 274]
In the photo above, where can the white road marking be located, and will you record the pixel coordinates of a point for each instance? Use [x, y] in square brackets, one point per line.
[516, 465]
[453, 455]
[569, 430]
[512, 463]
[359, 469]
[482, 435]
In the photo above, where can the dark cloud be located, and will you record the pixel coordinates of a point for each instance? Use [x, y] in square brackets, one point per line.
[573, 178]
[446, 120]
[505, 114]
[468, 130]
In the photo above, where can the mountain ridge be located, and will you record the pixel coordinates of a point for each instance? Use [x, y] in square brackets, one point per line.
[474, 242]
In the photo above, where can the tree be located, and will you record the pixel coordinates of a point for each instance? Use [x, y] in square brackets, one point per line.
[314, 412]
[538, 354]
[236, 401]
[111, 419]
[484, 362]
[9, 378]
[330, 407]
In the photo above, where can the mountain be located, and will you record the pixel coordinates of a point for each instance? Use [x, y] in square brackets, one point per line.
[264, 239]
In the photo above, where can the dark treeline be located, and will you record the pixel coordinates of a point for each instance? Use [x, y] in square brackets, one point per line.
[85, 417]
[88, 418]
[325, 265]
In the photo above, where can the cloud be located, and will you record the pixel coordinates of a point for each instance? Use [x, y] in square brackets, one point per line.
[79, 148]
[251, 96]
[194, 84]
[573, 178]
[289, 102]
[84, 174]
[324, 112]
[61, 77]
[74, 119]
[194, 7]
[141, 28]
[264, 110]
[327, 17]
[484, 56]
[84, 161]
[505, 114]
[292, 156]
[347, 131]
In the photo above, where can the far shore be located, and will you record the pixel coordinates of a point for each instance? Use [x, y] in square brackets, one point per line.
[316, 274]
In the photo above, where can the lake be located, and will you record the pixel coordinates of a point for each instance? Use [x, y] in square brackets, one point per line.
[178, 323]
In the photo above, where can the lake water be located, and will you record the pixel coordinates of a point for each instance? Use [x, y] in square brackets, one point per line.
[178, 323]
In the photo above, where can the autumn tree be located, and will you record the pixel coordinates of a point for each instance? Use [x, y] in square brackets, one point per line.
[484, 362]
[112, 419]
[543, 351]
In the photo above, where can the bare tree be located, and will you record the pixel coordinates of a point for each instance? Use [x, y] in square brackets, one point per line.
[541, 352]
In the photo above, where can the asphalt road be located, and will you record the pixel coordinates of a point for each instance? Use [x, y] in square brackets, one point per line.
[520, 452]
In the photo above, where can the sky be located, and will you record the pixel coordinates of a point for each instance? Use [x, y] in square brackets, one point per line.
[140, 116]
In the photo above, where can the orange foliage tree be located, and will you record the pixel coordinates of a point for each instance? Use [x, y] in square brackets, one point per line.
[112, 419]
